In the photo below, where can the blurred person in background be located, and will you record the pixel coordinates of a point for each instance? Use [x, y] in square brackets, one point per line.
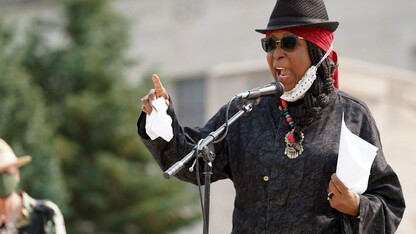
[282, 156]
[20, 213]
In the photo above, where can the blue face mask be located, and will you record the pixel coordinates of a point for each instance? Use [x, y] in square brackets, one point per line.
[8, 184]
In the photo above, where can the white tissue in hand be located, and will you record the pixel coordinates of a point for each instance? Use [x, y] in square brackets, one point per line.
[159, 123]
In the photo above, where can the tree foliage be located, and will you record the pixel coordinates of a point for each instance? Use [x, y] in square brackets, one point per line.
[112, 183]
[24, 124]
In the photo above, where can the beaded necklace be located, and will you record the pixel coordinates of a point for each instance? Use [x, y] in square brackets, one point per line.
[294, 137]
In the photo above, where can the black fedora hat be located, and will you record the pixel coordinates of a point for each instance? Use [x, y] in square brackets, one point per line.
[298, 13]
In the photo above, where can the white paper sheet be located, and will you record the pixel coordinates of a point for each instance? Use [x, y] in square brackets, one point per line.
[159, 123]
[354, 160]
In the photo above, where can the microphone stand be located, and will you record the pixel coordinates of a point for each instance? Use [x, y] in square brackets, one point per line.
[202, 150]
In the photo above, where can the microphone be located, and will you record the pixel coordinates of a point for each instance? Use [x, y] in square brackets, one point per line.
[273, 89]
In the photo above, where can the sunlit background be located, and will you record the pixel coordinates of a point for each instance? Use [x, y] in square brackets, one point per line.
[204, 52]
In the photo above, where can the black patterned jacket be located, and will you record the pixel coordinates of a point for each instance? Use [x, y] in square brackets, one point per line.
[275, 194]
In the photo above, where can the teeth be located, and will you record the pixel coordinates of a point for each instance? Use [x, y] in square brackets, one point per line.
[279, 70]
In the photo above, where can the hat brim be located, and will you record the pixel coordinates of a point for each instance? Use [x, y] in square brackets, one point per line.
[328, 25]
[21, 161]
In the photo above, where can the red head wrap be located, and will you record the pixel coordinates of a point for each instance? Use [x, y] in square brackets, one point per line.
[321, 38]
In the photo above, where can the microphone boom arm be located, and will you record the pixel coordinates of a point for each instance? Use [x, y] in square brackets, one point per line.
[175, 168]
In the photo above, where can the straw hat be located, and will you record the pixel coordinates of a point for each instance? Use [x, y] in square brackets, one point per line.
[299, 13]
[8, 158]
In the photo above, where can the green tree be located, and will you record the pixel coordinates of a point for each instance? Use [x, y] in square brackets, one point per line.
[113, 184]
[24, 125]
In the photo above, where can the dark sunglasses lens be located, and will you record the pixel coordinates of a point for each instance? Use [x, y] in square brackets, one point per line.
[268, 44]
[289, 43]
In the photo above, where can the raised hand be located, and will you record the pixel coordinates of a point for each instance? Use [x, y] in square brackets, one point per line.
[157, 92]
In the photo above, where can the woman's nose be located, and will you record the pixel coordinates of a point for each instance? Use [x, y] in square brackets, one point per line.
[278, 53]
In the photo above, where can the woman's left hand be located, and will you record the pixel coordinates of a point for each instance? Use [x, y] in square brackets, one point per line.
[342, 198]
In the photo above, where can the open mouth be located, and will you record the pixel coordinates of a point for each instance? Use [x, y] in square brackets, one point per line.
[282, 72]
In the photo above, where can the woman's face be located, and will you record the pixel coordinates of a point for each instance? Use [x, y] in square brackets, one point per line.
[288, 67]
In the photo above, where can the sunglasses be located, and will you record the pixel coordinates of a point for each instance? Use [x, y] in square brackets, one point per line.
[287, 43]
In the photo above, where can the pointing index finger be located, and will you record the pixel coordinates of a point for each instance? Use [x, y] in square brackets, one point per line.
[159, 89]
[157, 84]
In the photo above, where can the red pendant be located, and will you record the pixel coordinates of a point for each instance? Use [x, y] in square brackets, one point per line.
[293, 149]
[291, 137]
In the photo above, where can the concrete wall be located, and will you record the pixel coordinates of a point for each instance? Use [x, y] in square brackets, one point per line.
[194, 35]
